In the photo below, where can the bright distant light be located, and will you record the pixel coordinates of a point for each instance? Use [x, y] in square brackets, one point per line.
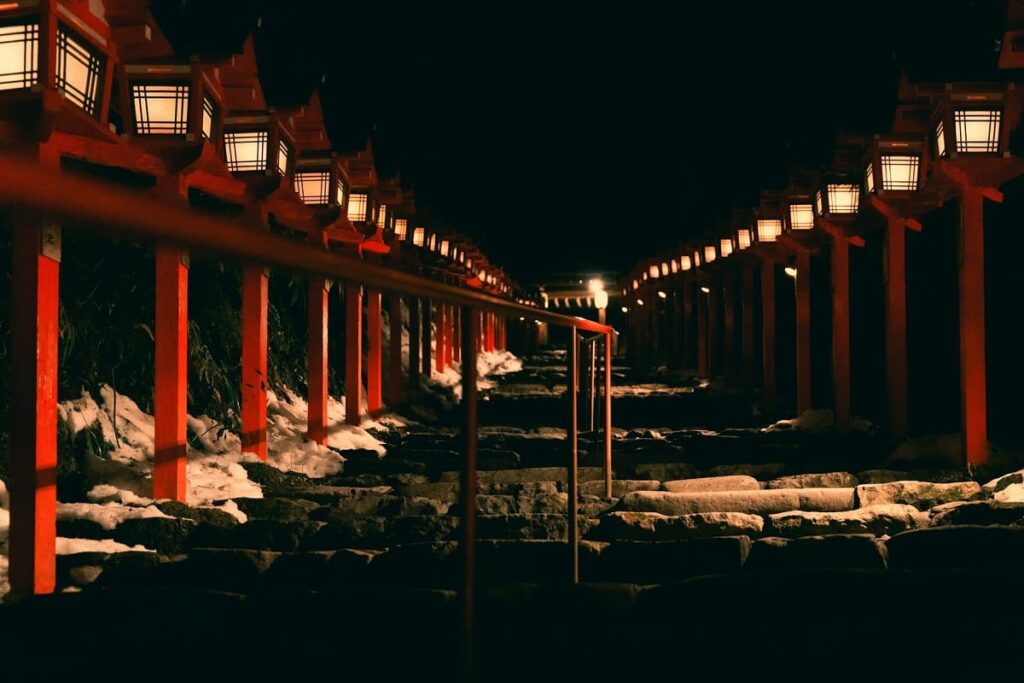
[639, 302]
[706, 290]
[595, 285]
[663, 295]
[791, 271]
[601, 299]
[625, 309]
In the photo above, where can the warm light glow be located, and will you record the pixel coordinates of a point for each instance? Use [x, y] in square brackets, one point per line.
[725, 246]
[674, 264]
[462, 256]
[601, 299]
[818, 204]
[312, 187]
[843, 198]
[639, 302]
[161, 109]
[653, 271]
[743, 238]
[900, 172]
[625, 309]
[595, 285]
[710, 254]
[382, 216]
[790, 271]
[246, 151]
[445, 246]
[869, 178]
[977, 130]
[636, 285]
[469, 264]
[284, 153]
[357, 208]
[801, 217]
[417, 236]
[940, 139]
[79, 69]
[706, 290]
[696, 259]
[645, 277]
[432, 243]
[339, 194]
[662, 295]
[664, 268]
[684, 262]
[401, 228]
[19, 66]
[768, 229]
[209, 116]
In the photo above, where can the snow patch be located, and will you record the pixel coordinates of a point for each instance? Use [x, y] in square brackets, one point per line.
[1014, 493]
[108, 515]
[105, 493]
[71, 546]
[816, 421]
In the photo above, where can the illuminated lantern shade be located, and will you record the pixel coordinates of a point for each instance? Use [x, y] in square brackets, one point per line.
[654, 271]
[432, 244]
[800, 215]
[418, 235]
[768, 218]
[401, 228]
[684, 263]
[383, 217]
[768, 229]
[79, 70]
[969, 121]
[696, 259]
[636, 284]
[162, 108]
[664, 268]
[725, 246]
[743, 238]
[601, 299]
[359, 210]
[313, 187]
[895, 163]
[644, 276]
[445, 247]
[710, 254]
[674, 265]
[837, 195]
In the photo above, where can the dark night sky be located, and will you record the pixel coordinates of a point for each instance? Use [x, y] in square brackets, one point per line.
[589, 138]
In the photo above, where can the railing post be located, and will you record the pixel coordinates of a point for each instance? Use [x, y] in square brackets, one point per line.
[803, 331]
[573, 502]
[440, 353]
[768, 335]
[457, 334]
[489, 332]
[896, 326]
[470, 330]
[35, 292]
[608, 415]
[592, 383]
[425, 339]
[973, 399]
[414, 343]
[374, 375]
[714, 332]
[703, 366]
[170, 375]
[353, 352]
[255, 282]
[395, 350]
[841, 331]
[748, 324]
[449, 334]
[319, 289]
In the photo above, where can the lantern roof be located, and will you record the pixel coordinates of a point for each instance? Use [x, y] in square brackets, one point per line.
[362, 171]
[307, 122]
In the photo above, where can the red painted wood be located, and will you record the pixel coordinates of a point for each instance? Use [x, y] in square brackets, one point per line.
[803, 331]
[449, 333]
[972, 326]
[35, 285]
[457, 338]
[395, 378]
[747, 313]
[426, 324]
[255, 281]
[702, 335]
[768, 383]
[841, 332]
[415, 335]
[488, 332]
[896, 327]
[170, 394]
[441, 334]
[353, 353]
[374, 352]
[729, 325]
[318, 346]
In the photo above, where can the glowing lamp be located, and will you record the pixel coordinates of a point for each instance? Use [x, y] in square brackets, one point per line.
[636, 284]
[800, 215]
[837, 195]
[444, 247]
[359, 209]
[401, 228]
[313, 187]
[162, 108]
[706, 290]
[79, 70]
[595, 285]
[664, 268]
[639, 302]
[625, 309]
[601, 299]
[725, 246]
[685, 263]
[674, 266]
[768, 229]
[662, 295]
[790, 271]
[654, 271]
[696, 259]
[418, 235]
[384, 217]
[969, 121]
[710, 253]
[743, 238]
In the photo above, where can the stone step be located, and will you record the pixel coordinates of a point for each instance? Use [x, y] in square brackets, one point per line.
[734, 482]
[760, 502]
[527, 474]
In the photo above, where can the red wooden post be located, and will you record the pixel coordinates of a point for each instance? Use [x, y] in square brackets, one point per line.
[439, 328]
[489, 332]
[449, 333]
[768, 336]
[353, 353]
[374, 376]
[896, 326]
[255, 280]
[972, 325]
[703, 370]
[425, 338]
[318, 340]
[748, 324]
[803, 331]
[395, 350]
[415, 336]
[35, 291]
[841, 331]
[729, 324]
[608, 415]
[457, 334]
[170, 391]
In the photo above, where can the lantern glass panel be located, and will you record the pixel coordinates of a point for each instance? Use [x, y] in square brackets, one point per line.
[743, 238]
[401, 228]
[664, 268]
[417, 237]
[725, 246]
[19, 65]
[431, 241]
[209, 117]
[313, 187]
[246, 151]
[900, 172]
[284, 154]
[709, 254]
[843, 198]
[339, 193]
[653, 271]
[869, 178]
[382, 217]
[675, 266]
[357, 205]
[768, 229]
[696, 259]
[79, 68]
[977, 130]
[817, 203]
[801, 217]
[940, 139]
[445, 246]
[636, 285]
[469, 264]
[684, 262]
[160, 109]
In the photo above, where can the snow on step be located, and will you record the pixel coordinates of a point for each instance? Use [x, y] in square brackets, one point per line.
[527, 474]
[875, 519]
[761, 502]
[653, 526]
[824, 480]
[733, 482]
[920, 494]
